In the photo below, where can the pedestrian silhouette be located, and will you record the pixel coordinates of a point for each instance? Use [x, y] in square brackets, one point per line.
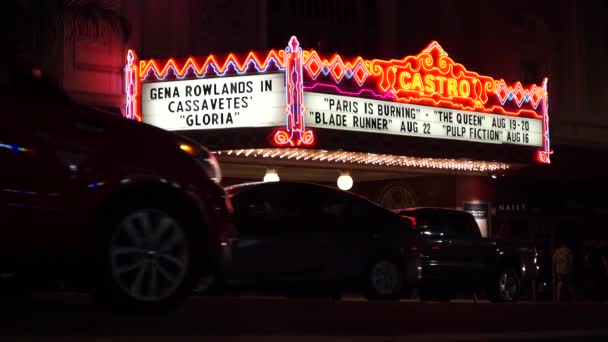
[563, 266]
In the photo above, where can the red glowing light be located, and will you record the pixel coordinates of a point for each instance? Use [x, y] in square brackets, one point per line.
[132, 87]
[429, 78]
[295, 133]
[162, 68]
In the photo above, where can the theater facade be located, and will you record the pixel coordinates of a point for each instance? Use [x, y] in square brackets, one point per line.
[415, 131]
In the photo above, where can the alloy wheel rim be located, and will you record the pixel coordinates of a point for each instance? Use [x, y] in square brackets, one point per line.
[385, 277]
[149, 255]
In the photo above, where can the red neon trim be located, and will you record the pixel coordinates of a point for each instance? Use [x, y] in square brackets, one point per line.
[429, 78]
[132, 86]
[544, 155]
[162, 68]
[295, 133]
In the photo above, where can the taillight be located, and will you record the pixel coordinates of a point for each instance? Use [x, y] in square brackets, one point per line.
[229, 206]
[411, 220]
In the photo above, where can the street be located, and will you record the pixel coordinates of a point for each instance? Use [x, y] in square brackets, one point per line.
[278, 319]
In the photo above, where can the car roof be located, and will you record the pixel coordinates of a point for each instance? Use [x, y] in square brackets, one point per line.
[429, 209]
[238, 188]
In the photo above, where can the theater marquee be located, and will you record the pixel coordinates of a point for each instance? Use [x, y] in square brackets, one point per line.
[296, 91]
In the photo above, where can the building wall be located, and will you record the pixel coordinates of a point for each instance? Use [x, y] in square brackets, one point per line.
[163, 28]
[524, 40]
[430, 191]
[93, 69]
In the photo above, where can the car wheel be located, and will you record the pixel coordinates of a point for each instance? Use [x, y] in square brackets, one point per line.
[384, 280]
[147, 260]
[505, 287]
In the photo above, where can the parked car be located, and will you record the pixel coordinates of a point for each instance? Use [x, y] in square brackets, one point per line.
[133, 212]
[302, 239]
[453, 257]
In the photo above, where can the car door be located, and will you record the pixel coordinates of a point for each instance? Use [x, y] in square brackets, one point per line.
[363, 236]
[462, 242]
[436, 257]
[32, 181]
[277, 240]
[310, 235]
[343, 234]
[250, 255]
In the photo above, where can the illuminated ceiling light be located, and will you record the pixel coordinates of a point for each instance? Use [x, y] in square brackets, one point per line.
[361, 158]
[345, 181]
[271, 176]
[493, 176]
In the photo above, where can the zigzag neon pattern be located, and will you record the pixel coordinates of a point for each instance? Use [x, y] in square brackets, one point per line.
[519, 94]
[200, 69]
[440, 73]
[334, 89]
[315, 66]
[429, 78]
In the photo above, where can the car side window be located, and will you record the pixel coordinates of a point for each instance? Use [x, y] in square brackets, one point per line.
[428, 221]
[249, 210]
[370, 217]
[462, 225]
[274, 209]
[334, 210]
[347, 213]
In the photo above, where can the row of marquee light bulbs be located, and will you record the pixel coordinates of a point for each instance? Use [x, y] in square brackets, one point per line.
[344, 182]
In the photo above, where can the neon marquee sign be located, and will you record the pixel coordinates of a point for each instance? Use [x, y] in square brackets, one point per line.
[295, 132]
[430, 78]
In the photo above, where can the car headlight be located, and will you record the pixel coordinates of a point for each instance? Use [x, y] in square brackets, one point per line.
[205, 159]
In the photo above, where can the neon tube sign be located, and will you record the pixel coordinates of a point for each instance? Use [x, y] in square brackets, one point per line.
[430, 78]
[295, 133]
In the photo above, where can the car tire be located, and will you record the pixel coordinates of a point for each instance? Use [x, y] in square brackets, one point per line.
[505, 287]
[384, 280]
[147, 259]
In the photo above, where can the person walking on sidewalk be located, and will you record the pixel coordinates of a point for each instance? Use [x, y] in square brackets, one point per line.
[563, 265]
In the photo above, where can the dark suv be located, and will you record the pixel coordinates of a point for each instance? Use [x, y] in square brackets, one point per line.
[306, 239]
[452, 257]
[131, 211]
